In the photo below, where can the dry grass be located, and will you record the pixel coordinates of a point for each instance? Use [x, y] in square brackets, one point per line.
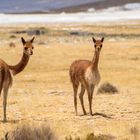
[43, 92]
[31, 132]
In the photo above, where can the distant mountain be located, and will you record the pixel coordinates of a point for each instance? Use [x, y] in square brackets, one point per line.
[29, 6]
[53, 6]
[96, 5]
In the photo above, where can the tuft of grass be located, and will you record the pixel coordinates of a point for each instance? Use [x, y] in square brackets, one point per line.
[104, 137]
[31, 132]
[107, 88]
[12, 45]
[91, 136]
[135, 132]
[68, 137]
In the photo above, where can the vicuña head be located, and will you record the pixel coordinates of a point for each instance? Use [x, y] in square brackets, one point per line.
[98, 43]
[86, 74]
[28, 47]
[7, 71]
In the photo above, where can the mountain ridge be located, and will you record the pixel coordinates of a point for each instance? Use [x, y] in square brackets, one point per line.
[53, 6]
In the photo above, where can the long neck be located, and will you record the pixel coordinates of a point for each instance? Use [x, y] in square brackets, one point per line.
[21, 65]
[95, 60]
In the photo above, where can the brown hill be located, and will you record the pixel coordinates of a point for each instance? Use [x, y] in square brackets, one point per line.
[96, 5]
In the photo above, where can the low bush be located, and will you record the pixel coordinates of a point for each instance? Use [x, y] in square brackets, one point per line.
[107, 88]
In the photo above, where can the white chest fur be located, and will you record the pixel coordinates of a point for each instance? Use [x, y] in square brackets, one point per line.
[92, 77]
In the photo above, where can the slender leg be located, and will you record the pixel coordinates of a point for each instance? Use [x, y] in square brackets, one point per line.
[1, 80]
[5, 93]
[81, 98]
[91, 97]
[87, 86]
[0, 90]
[75, 89]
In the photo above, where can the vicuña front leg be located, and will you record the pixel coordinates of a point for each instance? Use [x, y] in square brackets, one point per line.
[91, 97]
[90, 89]
[89, 100]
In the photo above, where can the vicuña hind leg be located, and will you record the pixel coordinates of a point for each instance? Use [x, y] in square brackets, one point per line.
[81, 98]
[75, 89]
[5, 93]
[1, 80]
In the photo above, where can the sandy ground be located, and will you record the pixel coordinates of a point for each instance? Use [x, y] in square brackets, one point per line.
[43, 92]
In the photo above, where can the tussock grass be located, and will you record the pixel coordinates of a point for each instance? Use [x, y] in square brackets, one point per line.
[107, 88]
[135, 132]
[91, 136]
[31, 132]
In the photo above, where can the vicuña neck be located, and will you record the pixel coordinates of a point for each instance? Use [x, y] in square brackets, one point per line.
[21, 65]
[95, 60]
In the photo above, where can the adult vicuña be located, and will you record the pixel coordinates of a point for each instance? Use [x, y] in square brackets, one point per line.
[6, 71]
[86, 72]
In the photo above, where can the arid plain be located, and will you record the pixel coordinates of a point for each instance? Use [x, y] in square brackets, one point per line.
[43, 93]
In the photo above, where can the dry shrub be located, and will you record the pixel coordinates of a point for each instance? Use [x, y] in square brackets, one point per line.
[31, 132]
[107, 88]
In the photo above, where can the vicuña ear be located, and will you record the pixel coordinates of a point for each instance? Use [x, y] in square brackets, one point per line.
[94, 40]
[102, 39]
[23, 41]
[32, 40]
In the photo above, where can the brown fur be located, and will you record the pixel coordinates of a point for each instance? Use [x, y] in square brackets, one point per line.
[6, 72]
[21, 65]
[86, 73]
[77, 70]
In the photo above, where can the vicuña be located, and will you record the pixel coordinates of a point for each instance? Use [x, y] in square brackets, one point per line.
[86, 74]
[6, 71]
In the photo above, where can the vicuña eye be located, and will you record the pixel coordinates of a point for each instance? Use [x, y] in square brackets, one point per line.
[32, 47]
[25, 48]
